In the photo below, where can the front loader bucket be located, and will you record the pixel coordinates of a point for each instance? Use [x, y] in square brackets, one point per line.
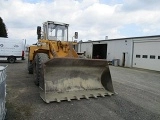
[71, 78]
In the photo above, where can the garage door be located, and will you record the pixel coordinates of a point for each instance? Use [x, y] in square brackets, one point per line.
[146, 55]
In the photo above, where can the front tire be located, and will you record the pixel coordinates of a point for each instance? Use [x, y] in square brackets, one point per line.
[39, 59]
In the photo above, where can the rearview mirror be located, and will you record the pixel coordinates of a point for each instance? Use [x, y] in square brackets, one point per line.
[76, 35]
[39, 32]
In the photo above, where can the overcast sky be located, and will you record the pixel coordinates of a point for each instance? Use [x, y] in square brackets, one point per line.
[93, 19]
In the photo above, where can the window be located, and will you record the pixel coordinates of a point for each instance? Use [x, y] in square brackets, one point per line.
[145, 56]
[152, 56]
[138, 56]
[158, 57]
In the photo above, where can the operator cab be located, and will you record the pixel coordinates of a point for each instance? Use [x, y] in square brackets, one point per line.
[55, 31]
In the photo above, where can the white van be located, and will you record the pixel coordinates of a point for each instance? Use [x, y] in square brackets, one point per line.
[11, 49]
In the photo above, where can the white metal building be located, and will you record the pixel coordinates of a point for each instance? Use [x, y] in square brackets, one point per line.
[140, 52]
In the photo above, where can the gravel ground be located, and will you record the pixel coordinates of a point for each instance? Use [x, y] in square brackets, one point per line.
[138, 98]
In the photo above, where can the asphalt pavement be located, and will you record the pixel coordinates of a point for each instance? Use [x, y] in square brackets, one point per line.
[138, 98]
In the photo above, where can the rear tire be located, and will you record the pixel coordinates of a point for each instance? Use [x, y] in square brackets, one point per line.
[40, 58]
[30, 67]
[11, 59]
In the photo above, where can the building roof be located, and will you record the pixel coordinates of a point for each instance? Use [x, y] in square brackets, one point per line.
[153, 36]
[56, 23]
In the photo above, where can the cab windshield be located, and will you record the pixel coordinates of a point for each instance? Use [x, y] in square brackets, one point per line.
[57, 32]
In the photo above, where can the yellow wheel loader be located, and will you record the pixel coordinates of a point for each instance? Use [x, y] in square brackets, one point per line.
[60, 73]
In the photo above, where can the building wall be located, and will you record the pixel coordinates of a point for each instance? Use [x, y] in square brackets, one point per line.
[87, 48]
[116, 48]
